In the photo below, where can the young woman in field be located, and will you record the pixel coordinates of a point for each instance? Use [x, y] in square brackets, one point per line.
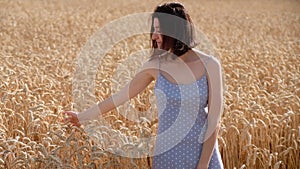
[187, 82]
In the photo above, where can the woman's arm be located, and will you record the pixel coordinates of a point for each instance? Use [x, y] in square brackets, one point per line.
[139, 82]
[215, 105]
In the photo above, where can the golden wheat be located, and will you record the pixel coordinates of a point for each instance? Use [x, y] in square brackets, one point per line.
[257, 42]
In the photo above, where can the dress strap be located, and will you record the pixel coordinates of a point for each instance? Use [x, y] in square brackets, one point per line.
[159, 56]
[159, 59]
[206, 61]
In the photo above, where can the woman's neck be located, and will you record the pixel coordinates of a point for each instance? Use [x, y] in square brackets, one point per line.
[189, 57]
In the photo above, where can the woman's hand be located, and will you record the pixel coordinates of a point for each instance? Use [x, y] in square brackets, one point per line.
[72, 118]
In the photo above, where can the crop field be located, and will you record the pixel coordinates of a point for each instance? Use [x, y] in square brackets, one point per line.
[257, 42]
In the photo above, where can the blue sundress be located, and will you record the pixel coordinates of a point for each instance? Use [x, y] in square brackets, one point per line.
[182, 113]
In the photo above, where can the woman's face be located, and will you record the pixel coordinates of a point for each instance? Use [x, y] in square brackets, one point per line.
[157, 34]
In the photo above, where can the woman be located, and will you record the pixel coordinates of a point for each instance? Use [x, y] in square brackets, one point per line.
[187, 82]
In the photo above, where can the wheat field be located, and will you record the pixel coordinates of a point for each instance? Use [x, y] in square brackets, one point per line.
[258, 43]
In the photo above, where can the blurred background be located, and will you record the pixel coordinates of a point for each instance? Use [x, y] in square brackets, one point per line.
[257, 42]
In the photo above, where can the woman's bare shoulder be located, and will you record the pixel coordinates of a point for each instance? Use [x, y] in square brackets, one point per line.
[209, 60]
[151, 63]
[151, 66]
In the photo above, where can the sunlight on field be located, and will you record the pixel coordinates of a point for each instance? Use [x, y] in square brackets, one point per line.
[257, 42]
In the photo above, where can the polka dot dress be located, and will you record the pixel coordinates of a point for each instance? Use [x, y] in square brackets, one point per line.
[182, 115]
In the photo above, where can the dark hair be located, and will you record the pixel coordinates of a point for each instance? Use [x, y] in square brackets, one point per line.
[176, 27]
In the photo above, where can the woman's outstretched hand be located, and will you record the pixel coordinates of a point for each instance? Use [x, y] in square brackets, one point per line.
[71, 117]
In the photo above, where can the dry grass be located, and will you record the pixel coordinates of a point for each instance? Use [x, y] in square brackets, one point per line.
[257, 42]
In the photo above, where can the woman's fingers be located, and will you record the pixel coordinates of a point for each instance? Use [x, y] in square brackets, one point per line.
[71, 117]
[67, 116]
[69, 113]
